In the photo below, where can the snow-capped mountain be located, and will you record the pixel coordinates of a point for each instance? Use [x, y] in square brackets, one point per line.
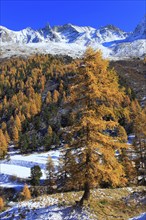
[67, 33]
[73, 40]
[24, 36]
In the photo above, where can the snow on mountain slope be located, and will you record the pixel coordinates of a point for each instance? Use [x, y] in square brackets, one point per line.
[13, 49]
[73, 40]
[110, 33]
[67, 33]
[70, 33]
[125, 50]
[49, 34]
[25, 36]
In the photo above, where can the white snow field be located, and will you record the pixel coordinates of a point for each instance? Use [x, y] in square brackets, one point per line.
[20, 166]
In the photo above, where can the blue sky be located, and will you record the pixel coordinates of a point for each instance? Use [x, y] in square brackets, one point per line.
[124, 14]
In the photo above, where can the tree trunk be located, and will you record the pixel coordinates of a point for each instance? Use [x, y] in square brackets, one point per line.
[86, 194]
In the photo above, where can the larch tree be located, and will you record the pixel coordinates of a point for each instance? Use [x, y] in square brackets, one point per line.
[15, 134]
[48, 137]
[33, 109]
[3, 144]
[50, 173]
[26, 192]
[96, 101]
[1, 203]
[49, 131]
[4, 126]
[48, 98]
[61, 87]
[55, 96]
[18, 122]
[7, 137]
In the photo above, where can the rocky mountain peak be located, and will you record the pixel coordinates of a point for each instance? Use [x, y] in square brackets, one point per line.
[112, 28]
[140, 30]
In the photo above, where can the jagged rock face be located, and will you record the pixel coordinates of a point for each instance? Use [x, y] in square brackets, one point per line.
[140, 30]
[73, 40]
[67, 33]
[110, 33]
[48, 34]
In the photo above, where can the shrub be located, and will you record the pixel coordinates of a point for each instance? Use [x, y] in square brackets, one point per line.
[36, 174]
[26, 192]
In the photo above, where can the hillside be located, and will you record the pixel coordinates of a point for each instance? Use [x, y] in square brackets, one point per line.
[110, 204]
[76, 120]
[133, 74]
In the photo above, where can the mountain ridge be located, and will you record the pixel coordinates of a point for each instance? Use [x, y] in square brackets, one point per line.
[112, 41]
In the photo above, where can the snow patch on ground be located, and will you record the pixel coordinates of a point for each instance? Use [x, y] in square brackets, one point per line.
[44, 208]
[20, 166]
[140, 217]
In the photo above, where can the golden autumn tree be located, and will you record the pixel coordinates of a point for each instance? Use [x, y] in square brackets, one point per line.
[38, 102]
[55, 96]
[4, 126]
[18, 123]
[1, 203]
[61, 87]
[3, 144]
[33, 109]
[96, 101]
[50, 131]
[7, 137]
[50, 173]
[15, 134]
[26, 192]
[48, 98]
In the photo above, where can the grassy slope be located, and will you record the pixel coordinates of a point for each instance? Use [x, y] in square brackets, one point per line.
[104, 204]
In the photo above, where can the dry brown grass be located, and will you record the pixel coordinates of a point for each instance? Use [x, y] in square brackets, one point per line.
[106, 204]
